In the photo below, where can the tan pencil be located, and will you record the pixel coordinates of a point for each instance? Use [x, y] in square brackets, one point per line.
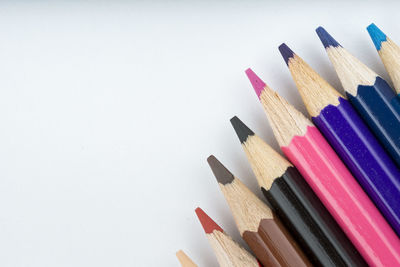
[184, 259]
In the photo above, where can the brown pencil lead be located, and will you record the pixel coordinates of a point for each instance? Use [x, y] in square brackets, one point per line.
[221, 173]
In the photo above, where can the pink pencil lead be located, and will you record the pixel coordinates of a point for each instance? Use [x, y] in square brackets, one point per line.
[257, 83]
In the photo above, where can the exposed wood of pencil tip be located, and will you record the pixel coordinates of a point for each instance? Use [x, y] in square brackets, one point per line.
[266, 163]
[390, 55]
[314, 90]
[184, 259]
[247, 209]
[351, 71]
[228, 252]
[286, 121]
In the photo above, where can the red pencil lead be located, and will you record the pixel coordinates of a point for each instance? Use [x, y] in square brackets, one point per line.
[208, 224]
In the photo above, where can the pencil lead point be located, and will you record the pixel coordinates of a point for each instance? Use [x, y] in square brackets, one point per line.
[326, 39]
[208, 224]
[222, 174]
[242, 131]
[257, 83]
[376, 35]
[286, 52]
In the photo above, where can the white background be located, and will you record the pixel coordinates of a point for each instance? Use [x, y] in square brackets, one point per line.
[109, 110]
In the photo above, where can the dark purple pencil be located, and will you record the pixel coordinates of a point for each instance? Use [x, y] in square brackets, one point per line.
[350, 137]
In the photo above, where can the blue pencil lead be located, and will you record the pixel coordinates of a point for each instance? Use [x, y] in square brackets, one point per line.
[377, 35]
[326, 39]
[286, 52]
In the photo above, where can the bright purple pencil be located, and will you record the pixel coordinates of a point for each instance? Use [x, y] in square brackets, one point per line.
[350, 137]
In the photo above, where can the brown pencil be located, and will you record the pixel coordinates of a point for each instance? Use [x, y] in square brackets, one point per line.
[228, 252]
[262, 231]
[184, 259]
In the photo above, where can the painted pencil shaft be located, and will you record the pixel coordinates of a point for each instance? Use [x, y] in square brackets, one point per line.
[344, 198]
[374, 170]
[273, 245]
[350, 137]
[296, 205]
[372, 97]
[322, 239]
[381, 113]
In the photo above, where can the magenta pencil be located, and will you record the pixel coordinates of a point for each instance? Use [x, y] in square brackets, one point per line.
[332, 182]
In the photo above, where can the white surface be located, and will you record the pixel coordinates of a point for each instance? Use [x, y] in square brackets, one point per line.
[108, 112]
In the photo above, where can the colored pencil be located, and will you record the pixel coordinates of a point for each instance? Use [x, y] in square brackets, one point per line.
[228, 252]
[332, 182]
[296, 205]
[260, 229]
[389, 53]
[371, 95]
[345, 131]
[184, 259]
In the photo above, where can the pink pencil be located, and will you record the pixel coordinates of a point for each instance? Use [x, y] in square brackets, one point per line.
[304, 145]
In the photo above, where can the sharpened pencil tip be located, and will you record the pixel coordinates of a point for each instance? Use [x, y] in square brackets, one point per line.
[222, 174]
[286, 52]
[376, 35]
[257, 83]
[326, 39]
[242, 131]
[208, 224]
[184, 259]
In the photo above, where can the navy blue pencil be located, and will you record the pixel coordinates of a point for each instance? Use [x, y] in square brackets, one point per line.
[371, 95]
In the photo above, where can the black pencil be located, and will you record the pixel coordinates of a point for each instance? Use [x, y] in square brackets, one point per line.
[296, 205]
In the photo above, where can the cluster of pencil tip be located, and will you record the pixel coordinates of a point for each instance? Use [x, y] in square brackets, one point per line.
[334, 199]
